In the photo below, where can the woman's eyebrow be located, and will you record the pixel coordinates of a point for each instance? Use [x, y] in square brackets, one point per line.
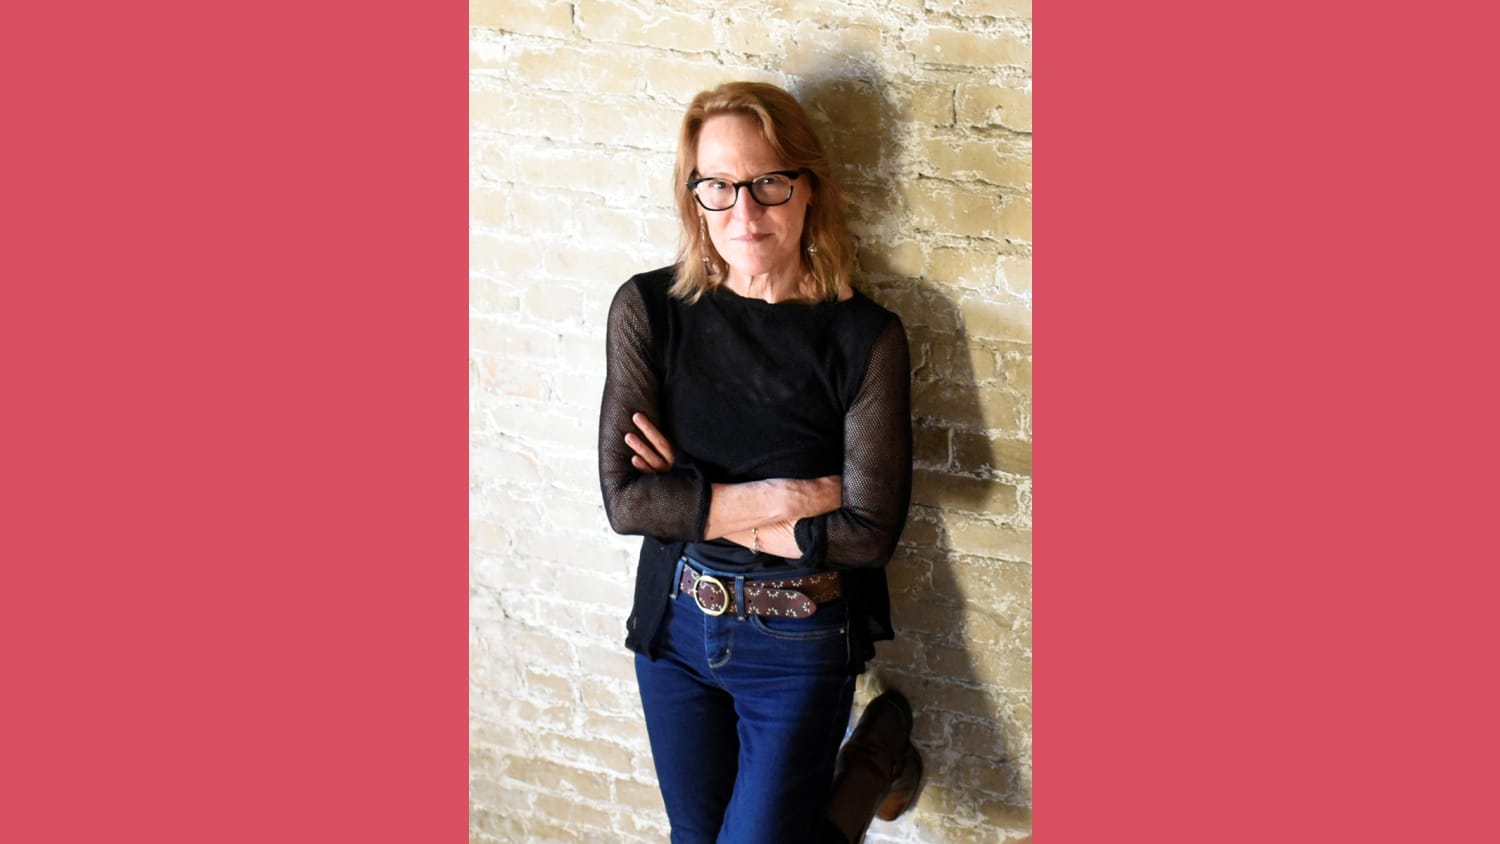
[726, 174]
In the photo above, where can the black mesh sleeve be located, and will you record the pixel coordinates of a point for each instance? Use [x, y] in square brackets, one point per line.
[877, 466]
[671, 505]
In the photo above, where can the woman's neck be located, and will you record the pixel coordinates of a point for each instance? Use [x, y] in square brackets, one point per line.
[772, 287]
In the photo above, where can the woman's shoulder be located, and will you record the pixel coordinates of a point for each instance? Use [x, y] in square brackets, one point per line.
[653, 284]
[868, 314]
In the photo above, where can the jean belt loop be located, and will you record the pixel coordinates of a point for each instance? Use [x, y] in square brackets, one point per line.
[677, 577]
[739, 597]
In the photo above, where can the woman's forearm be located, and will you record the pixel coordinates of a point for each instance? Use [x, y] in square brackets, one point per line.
[735, 508]
[778, 539]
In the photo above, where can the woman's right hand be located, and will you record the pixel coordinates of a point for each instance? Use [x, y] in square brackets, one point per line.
[653, 452]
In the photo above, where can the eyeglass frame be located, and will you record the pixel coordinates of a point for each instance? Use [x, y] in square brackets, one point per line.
[692, 186]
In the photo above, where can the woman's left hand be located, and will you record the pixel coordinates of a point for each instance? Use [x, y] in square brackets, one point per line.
[653, 453]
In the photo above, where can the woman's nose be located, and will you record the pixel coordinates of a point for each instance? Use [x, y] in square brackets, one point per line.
[745, 206]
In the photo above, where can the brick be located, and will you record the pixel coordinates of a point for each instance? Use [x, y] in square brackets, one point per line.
[489, 297]
[571, 812]
[486, 825]
[679, 79]
[488, 206]
[585, 352]
[986, 160]
[621, 729]
[588, 263]
[946, 208]
[963, 406]
[490, 158]
[976, 495]
[537, 211]
[614, 662]
[946, 46]
[554, 777]
[744, 31]
[1005, 319]
[1001, 814]
[502, 377]
[542, 645]
[981, 362]
[992, 8]
[486, 50]
[980, 453]
[1000, 668]
[640, 122]
[532, 114]
[961, 267]
[1016, 275]
[484, 534]
[638, 795]
[499, 254]
[933, 618]
[931, 351]
[927, 103]
[950, 832]
[550, 686]
[810, 47]
[568, 68]
[930, 446]
[647, 828]
[857, 152]
[603, 224]
[491, 464]
[1015, 219]
[582, 393]
[553, 303]
[989, 540]
[603, 754]
[978, 738]
[610, 695]
[1017, 371]
[529, 17]
[984, 105]
[623, 175]
[661, 230]
[649, 25]
[902, 258]
[920, 533]
[908, 575]
[510, 340]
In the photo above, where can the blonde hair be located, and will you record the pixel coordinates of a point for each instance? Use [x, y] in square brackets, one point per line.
[786, 127]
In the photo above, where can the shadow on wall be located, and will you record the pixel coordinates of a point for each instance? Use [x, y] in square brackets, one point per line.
[963, 719]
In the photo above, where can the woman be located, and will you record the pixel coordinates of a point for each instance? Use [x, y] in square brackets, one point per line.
[756, 430]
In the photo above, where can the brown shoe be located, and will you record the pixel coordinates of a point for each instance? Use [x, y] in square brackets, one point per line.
[904, 788]
[879, 772]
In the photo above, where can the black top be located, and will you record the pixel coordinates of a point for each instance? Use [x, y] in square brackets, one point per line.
[747, 390]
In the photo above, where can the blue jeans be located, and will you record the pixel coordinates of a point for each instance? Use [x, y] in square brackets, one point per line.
[745, 717]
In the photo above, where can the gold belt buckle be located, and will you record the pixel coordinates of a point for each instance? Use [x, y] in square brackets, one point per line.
[717, 584]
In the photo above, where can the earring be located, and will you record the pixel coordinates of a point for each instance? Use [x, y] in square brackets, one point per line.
[703, 244]
[812, 248]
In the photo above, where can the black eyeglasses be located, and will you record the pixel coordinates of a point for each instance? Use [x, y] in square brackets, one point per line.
[774, 188]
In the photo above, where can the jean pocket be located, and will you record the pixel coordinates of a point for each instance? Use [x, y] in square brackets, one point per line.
[831, 621]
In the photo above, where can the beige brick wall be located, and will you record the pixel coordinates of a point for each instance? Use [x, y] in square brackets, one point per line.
[926, 105]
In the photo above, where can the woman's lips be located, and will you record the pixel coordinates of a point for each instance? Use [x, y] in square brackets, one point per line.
[750, 238]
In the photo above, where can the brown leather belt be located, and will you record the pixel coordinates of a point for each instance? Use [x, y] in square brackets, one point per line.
[796, 597]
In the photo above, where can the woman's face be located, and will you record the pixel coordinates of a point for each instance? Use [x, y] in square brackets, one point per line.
[753, 238]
